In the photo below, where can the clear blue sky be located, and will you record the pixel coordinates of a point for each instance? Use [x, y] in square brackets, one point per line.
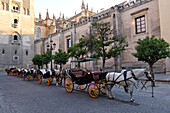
[68, 7]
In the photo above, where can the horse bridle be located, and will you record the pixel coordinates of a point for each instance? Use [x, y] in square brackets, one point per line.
[146, 74]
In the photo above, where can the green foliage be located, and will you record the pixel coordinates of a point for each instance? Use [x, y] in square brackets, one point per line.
[78, 50]
[37, 60]
[46, 57]
[60, 58]
[150, 50]
[118, 47]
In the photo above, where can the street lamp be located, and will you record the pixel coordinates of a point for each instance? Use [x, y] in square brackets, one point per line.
[50, 47]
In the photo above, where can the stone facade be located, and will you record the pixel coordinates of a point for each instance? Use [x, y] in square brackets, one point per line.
[16, 33]
[122, 19]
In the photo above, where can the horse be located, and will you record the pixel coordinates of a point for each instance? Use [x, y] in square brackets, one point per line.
[128, 81]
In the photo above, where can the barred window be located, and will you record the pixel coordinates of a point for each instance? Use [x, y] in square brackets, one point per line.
[140, 24]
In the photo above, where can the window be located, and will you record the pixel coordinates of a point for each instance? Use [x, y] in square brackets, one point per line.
[68, 43]
[28, 12]
[38, 33]
[140, 25]
[26, 52]
[15, 21]
[7, 7]
[15, 37]
[15, 51]
[3, 51]
[3, 5]
[13, 7]
[24, 11]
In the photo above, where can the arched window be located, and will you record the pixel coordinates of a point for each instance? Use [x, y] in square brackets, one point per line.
[15, 21]
[25, 11]
[28, 12]
[7, 7]
[15, 51]
[15, 37]
[3, 51]
[3, 5]
[38, 33]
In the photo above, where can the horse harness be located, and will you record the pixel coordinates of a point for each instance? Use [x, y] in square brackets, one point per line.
[125, 78]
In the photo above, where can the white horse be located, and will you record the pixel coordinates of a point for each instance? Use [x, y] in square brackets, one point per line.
[127, 82]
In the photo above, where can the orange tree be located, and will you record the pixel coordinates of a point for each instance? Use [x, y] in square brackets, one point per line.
[150, 50]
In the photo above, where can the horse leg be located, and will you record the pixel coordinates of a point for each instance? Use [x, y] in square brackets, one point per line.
[109, 92]
[131, 86]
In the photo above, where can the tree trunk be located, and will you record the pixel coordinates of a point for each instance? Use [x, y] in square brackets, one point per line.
[152, 74]
[78, 64]
[46, 66]
[60, 67]
[116, 64]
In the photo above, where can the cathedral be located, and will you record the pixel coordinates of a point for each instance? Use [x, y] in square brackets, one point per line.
[22, 35]
[16, 33]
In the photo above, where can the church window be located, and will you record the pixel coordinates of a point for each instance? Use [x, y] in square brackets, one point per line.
[68, 43]
[140, 24]
[15, 37]
[15, 51]
[15, 21]
[28, 12]
[3, 5]
[7, 7]
[38, 33]
[27, 52]
[24, 11]
[3, 51]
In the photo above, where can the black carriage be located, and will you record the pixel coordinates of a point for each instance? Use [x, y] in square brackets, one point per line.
[49, 76]
[93, 79]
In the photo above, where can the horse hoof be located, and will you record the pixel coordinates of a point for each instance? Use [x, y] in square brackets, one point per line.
[131, 100]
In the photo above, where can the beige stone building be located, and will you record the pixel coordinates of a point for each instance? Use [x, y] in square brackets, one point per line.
[16, 33]
[134, 19]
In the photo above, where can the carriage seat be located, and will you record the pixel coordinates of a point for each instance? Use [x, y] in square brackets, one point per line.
[78, 72]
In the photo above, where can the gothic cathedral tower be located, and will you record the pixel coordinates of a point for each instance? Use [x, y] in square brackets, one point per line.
[16, 33]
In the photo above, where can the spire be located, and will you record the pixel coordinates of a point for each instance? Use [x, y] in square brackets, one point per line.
[63, 16]
[39, 15]
[87, 7]
[47, 15]
[54, 19]
[60, 16]
[82, 6]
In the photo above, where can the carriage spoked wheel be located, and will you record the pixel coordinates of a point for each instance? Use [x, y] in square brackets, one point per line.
[82, 87]
[39, 79]
[23, 77]
[93, 90]
[68, 84]
[28, 77]
[102, 88]
[48, 81]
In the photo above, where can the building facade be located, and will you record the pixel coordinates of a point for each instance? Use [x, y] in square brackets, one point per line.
[134, 19]
[16, 33]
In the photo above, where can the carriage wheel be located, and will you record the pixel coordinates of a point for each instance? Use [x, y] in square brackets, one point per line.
[48, 82]
[23, 76]
[17, 74]
[68, 84]
[39, 79]
[28, 77]
[102, 88]
[82, 87]
[93, 90]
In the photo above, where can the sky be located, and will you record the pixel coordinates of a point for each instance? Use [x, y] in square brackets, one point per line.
[69, 7]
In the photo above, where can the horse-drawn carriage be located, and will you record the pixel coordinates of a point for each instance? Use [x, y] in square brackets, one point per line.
[49, 76]
[93, 79]
[104, 81]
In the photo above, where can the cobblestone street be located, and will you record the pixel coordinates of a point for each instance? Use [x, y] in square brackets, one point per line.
[18, 96]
